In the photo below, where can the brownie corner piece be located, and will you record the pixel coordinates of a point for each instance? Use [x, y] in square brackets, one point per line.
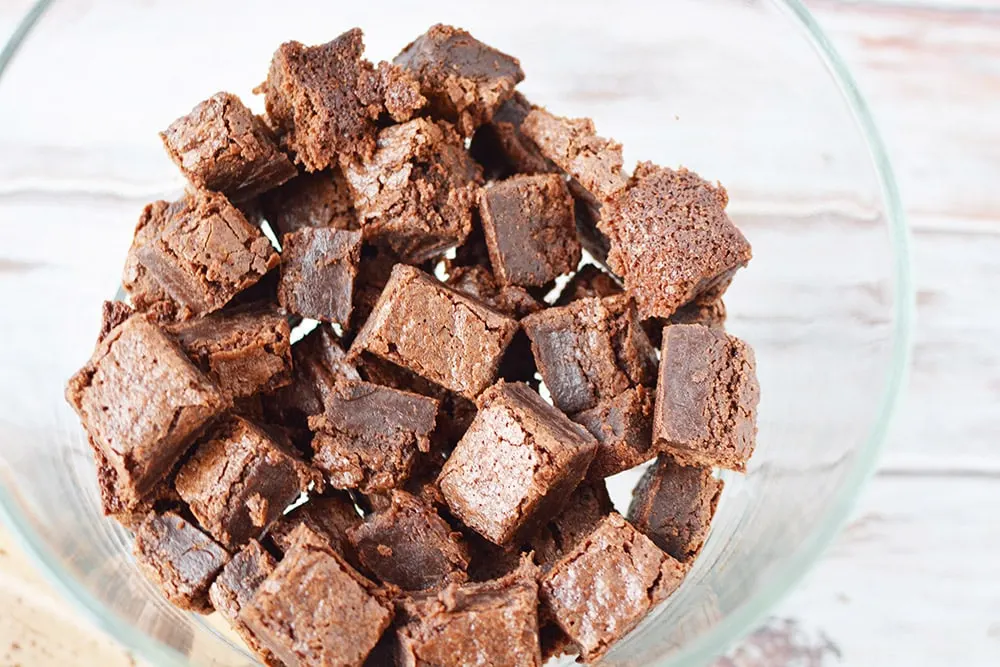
[706, 398]
[318, 268]
[221, 145]
[463, 79]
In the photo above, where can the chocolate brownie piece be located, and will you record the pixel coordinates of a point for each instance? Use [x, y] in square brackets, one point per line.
[601, 590]
[368, 435]
[239, 480]
[113, 313]
[671, 239]
[315, 610]
[709, 311]
[706, 398]
[530, 232]
[409, 545]
[399, 91]
[179, 558]
[416, 193]
[589, 282]
[673, 505]
[245, 351]
[321, 199]
[374, 269]
[192, 256]
[623, 427]
[222, 146]
[516, 465]
[318, 267]
[590, 350]
[118, 500]
[437, 332]
[584, 510]
[463, 79]
[141, 401]
[477, 281]
[236, 585]
[502, 149]
[491, 623]
[331, 517]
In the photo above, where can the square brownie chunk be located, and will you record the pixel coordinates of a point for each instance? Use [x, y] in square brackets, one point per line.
[368, 436]
[318, 267]
[245, 351]
[623, 427]
[330, 517]
[222, 146]
[141, 401]
[502, 149]
[463, 79]
[192, 256]
[587, 283]
[438, 333]
[315, 610]
[706, 399]
[492, 623]
[180, 559]
[671, 239]
[321, 199]
[585, 509]
[516, 466]
[673, 505]
[236, 585]
[590, 350]
[239, 480]
[601, 590]
[416, 193]
[530, 231]
[409, 545]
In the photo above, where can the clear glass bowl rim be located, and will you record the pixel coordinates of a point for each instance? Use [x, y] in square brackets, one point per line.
[744, 619]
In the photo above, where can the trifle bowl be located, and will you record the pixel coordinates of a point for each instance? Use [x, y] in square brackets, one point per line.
[749, 94]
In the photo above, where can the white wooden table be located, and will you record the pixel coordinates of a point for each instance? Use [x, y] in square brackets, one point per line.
[915, 578]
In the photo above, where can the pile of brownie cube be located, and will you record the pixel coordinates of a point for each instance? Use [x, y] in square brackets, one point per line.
[418, 478]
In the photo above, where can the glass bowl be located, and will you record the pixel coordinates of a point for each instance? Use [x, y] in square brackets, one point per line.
[747, 92]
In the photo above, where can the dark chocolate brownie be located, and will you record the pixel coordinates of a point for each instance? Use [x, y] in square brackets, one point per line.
[239, 480]
[600, 591]
[416, 193]
[118, 500]
[492, 623]
[708, 311]
[331, 517]
[516, 465]
[315, 609]
[463, 79]
[113, 313]
[589, 282]
[706, 398]
[591, 350]
[673, 505]
[222, 146]
[321, 199]
[477, 281]
[530, 231]
[437, 332]
[623, 427]
[179, 558]
[671, 239]
[318, 267]
[140, 401]
[236, 585]
[502, 149]
[374, 269]
[192, 256]
[584, 510]
[409, 545]
[368, 435]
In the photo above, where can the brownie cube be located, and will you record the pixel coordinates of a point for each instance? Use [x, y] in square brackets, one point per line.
[315, 610]
[492, 623]
[409, 545]
[671, 239]
[623, 427]
[368, 435]
[502, 149]
[673, 505]
[591, 350]
[416, 193]
[330, 517]
[706, 399]
[589, 282]
[192, 256]
[119, 501]
[584, 510]
[245, 351]
[222, 146]
[602, 589]
[141, 401]
[463, 79]
[530, 231]
[239, 480]
[516, 466]
[180, 559]
[236, 585]
[318, 267]
[478, 282]
[321, 199]
[437, 332]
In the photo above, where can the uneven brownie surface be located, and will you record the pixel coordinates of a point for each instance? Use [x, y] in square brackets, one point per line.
[623, 428]
[320, 199]
[318, 268]
[236, 585]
